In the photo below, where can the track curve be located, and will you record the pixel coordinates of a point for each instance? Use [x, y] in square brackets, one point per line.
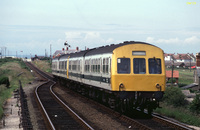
[58, 115]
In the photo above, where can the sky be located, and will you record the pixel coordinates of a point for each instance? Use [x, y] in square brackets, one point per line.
[29, 27]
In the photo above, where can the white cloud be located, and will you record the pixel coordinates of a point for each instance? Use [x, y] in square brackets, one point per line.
[192, 40]
[186, 41]
[168, 41]
[110, 40]
[72, 35]
[92, 35]
[87, 38]
[150, 39]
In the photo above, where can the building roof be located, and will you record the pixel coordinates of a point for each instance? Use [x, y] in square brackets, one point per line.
[182, 57]
[186, 56]
[175, 74]
[169, 54]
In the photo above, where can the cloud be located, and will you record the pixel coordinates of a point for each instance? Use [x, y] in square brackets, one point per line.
[150, 39]
[92, 35]
[192, 40]
[186, 41]
[87, 38]
[73, 35]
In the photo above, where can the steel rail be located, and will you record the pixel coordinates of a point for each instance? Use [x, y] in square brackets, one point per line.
[57, 98]
[77, 116]
[171, 123]
[38, 98]
[166, 120]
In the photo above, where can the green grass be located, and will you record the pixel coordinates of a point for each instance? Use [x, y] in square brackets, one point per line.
[185, 76]
[181, 114]
[5, 94]
[11, 68]
[43, 65]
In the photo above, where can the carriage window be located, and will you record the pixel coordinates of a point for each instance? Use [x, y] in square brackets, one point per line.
[123, 65]
[70, 65]
[105, 65]
[65, 64]
[155, 66]
[139, 66]
[87, 66]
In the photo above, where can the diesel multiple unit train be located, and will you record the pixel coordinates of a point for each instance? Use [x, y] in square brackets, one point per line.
[124, 76]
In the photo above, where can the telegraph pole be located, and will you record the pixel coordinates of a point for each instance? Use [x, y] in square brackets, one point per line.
[50, 50]
[5, 52]
[172, 72]
[190, 63]
[50, 57]
[1, 54]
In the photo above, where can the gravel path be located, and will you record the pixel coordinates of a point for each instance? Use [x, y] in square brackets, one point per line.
[11, 120]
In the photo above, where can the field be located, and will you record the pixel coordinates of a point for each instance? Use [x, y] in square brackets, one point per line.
[15, 70]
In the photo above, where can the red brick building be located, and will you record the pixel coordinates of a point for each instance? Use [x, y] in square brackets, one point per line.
[198, 59]
[175, 75]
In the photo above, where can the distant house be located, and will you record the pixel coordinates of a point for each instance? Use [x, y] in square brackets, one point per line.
[67, 51]
[198, 60]
[175, 75]
[169, 57]
[183, 58]
[193, 57]
[197, 71]
[180, 60]
[180, 57]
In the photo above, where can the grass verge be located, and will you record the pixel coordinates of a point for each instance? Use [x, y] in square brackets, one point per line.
[43, 65]
[181, 114]
[15, 70]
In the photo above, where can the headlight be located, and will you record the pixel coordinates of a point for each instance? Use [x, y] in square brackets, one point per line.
[121, 85]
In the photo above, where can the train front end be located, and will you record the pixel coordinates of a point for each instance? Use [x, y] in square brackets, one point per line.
[138, 75]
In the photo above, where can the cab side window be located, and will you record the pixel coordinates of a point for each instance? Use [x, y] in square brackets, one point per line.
[139, 66]
[123, 65]
[155, 66]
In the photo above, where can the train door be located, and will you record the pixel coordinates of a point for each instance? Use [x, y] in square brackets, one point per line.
[67, 67]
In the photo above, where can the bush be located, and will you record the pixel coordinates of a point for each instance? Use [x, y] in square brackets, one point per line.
[4, 80]
[174, 96]
[170, 80]
[195, 104]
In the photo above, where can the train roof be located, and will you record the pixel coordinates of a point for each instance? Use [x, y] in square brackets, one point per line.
[100, 50]
[56, 58]
[65, 56]
[109, 49]
[79, 54]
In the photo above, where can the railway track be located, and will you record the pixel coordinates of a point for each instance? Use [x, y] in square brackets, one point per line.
[58, 119]
[167, 121]
[56, 113]
[140, 121]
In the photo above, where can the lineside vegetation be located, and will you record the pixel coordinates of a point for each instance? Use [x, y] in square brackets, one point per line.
[175, 106]
[43, 65]
[14, 70]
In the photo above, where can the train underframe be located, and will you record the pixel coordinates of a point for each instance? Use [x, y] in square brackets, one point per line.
[121, 101]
